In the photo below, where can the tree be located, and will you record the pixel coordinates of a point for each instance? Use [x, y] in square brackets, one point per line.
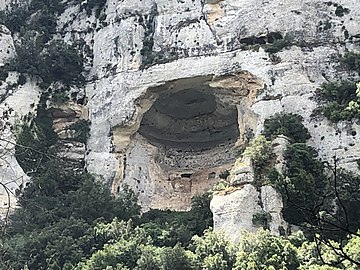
[214, 252]
[167, 228]
[123, 246]
[263, 251]
[287, 124]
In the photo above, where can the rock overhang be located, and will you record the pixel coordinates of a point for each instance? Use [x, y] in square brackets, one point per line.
[183, 136]
[190, 119]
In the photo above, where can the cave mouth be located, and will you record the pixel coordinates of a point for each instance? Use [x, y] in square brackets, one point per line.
[190, 120]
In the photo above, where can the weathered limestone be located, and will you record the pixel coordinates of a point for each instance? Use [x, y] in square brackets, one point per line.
[15, 106]
[279, 145]
[235, 211]
[142, 48]
[272, 203]
[7, 49]
[187, 146]
[192, 40]
[70, 122]
[242, 172]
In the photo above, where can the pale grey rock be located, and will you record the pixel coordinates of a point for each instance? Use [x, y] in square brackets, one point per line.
[233, 213]
[242, 172]
[234, 210]
[145, 44]
[74, 151]
[21, 102]
[279, 146]
[7, 49]
[271, 202]
[205, 41]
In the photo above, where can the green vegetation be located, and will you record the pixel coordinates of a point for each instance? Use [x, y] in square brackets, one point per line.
[259, 150]
[341, 100]
[280, 44]
[82, 129]
[262, 250]
[37, 53]
[96, 5]
[262, 219]
[168, 227]
[287, 124]
[341, 11]
[352, 60]
[33, 144]
[69, 220]
[55, 61]
[303, 186]
[318, 197]
[39, 15]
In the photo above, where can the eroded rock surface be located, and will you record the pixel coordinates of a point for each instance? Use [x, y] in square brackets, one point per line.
[143, 52]
[234, 212]
[7, 49]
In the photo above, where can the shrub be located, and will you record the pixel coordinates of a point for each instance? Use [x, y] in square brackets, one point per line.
[304, 184]
[340, 99]
[3, 74]
[57, 61]
[170, 227]
[52, 61]
[352, 60]
[15, 17]
[262, 219]
[82, 130]
[279, 44]
[287, 124]
[91, 4]
[33, 143]
[61, 62]
[259, 150]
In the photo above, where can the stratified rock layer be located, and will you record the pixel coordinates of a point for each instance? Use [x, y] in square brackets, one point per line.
[146, 51]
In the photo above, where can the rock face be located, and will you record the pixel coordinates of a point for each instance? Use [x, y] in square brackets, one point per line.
[234, 212]
[7, 49]
[247, 209]
[18, 104]
[151, 53]
[272, 203]
[16, 101]
[173, 86]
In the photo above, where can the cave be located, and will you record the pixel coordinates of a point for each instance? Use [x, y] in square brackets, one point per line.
[190, 120]
[185, 137]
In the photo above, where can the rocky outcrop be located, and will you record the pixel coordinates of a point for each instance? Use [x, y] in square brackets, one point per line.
[234, 212]
[272, 204]
[279, 145]
[242, 172]
[7, 49]
[16, 101]
[248, 209]
[15, 106]
[70, 123]
[144, 46]
[145, 52]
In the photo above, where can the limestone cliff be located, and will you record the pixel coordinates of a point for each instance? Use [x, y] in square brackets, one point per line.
[173, 87]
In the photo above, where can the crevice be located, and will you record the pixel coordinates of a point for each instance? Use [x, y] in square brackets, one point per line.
[213, 32]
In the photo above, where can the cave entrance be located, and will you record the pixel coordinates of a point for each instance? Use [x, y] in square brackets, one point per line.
[190, 121]
[184, 137]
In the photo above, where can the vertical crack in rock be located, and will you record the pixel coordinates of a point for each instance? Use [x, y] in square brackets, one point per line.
[212, 30]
